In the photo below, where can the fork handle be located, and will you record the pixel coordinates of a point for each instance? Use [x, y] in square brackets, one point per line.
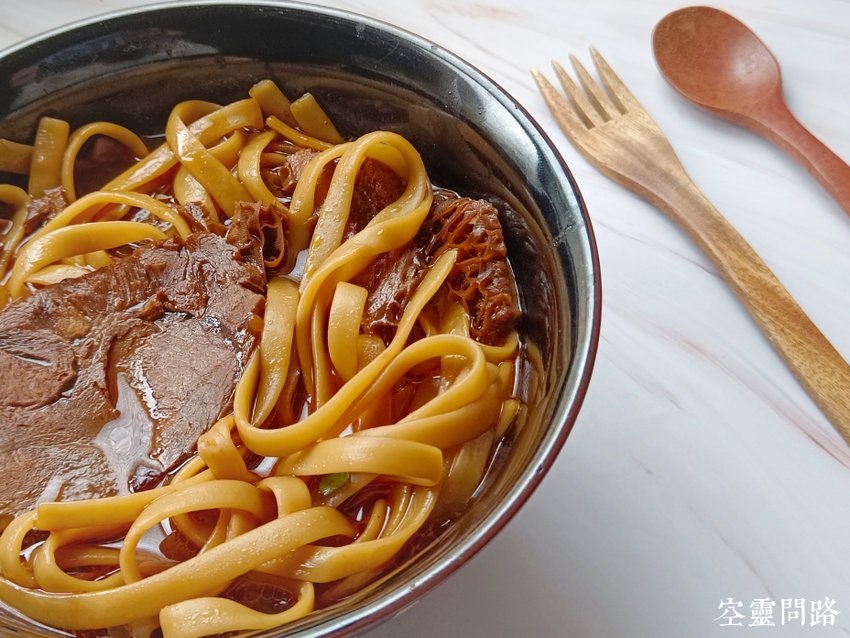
[817, 365]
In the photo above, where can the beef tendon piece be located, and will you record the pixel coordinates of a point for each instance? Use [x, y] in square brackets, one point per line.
[391, 280]
[255, 223]
[283, 178]
[481, 280]
[107, 380]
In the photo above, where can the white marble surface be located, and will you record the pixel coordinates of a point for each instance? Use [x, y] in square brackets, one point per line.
[698, 469]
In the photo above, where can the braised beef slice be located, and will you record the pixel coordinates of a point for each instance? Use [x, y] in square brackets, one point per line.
[199, 218]
[481, 279]
[376, 186]
[44, 208]
[111, 377]
[101, 159]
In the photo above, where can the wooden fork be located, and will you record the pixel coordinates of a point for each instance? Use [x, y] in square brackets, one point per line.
[616, 135]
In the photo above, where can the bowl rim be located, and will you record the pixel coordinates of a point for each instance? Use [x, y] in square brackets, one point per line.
[583, 353]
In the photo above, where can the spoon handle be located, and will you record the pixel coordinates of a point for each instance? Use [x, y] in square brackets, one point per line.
[814, 361]
[772, 119]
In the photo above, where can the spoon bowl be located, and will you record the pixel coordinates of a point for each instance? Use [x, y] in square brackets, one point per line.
[719, 64]
[714, 60]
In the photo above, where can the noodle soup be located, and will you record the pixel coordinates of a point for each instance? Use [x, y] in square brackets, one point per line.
[131, 69]
[268, 357]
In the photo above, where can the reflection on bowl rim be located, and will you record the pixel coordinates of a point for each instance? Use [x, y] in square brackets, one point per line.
[569, 397]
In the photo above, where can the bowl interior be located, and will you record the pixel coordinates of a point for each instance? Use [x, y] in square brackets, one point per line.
[133, 67]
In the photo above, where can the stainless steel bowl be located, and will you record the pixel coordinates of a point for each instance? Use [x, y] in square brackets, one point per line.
[131, 67]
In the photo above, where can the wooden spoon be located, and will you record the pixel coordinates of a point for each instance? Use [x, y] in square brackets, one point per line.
[715, 61]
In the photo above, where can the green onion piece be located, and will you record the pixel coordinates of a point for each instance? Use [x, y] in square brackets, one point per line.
[330, 483]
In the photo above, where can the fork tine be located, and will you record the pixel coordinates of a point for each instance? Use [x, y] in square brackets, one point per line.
[597, 96]
[620, 94]
[564, 113]
[585, 110]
